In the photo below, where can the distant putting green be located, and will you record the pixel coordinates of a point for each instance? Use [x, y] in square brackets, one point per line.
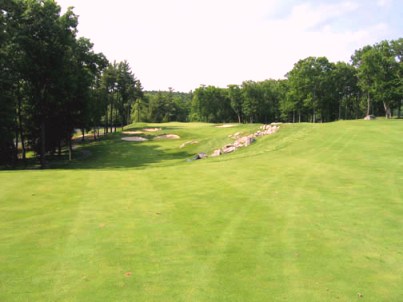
[311, 213]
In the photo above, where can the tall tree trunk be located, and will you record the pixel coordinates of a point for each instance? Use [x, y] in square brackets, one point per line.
[368, 104]
[42, 145]
[23, 149]
[116, 118]
[82, 135]
[15, 156]
[43, 125]
[388, 113]
[19, 115]
[70, 147]
[399, 109]
[111, 118]
[106, 121]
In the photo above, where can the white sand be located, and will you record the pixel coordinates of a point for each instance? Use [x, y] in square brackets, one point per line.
[226, 126]
[152, 129]
[134, 139]
[132, 132]
[168, 136]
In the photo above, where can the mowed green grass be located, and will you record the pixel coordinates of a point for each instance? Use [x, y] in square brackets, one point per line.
[312, 213]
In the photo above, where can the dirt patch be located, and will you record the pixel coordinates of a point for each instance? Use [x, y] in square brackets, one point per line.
[132, 132]
[128, 274]
[168, 136]
[134, 139]
[188, 143]
[152, 129]
[226, 126]
[79, 139]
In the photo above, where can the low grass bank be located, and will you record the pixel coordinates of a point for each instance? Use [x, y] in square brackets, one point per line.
[312, 213]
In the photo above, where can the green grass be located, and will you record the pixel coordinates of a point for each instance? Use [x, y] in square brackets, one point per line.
[312, 213]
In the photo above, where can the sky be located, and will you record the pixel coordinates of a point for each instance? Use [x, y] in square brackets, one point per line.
[183, 44]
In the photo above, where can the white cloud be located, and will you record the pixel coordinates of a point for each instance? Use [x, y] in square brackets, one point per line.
[306, 16]
[185, 43]
[384, 3]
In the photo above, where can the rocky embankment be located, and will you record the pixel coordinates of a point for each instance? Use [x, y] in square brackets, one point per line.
[242, 141]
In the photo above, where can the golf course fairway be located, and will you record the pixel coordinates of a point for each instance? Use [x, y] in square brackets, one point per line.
[311, 213]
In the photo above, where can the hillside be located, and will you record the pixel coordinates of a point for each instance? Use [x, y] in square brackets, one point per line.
[311, 213]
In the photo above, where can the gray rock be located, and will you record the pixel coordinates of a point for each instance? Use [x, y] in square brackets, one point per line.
[201, 155]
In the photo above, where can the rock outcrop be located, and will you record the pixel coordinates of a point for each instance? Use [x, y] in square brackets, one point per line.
[245, 141]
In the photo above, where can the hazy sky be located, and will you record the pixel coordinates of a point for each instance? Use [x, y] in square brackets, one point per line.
[185, 43]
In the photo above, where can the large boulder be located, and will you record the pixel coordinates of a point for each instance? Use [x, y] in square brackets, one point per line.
[201, 155]
[244, 141]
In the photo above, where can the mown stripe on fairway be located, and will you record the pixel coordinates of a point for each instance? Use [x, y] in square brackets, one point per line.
[312, 213]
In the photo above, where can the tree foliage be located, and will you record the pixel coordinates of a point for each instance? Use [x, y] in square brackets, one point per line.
[52, 82]
[314, 90]
[379, 69]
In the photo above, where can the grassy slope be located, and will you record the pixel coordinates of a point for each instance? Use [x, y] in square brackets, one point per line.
[313, 213]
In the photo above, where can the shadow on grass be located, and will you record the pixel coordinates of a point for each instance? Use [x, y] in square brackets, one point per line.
[112, 153]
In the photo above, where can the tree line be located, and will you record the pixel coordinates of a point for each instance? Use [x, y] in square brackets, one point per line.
[52, 82]
[315, 90]
[162, 106]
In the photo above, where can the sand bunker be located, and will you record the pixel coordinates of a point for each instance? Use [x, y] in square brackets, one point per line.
[152, 129]
[132, 132]
[188, 143]
[226, 126]
[168, 136]
[134, 139]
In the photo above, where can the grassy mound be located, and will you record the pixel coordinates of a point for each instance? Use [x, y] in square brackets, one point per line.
[311, 213]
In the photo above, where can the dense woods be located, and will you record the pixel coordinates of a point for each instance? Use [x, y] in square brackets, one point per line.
[52, 83]
[315, 90]
[162, 106]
